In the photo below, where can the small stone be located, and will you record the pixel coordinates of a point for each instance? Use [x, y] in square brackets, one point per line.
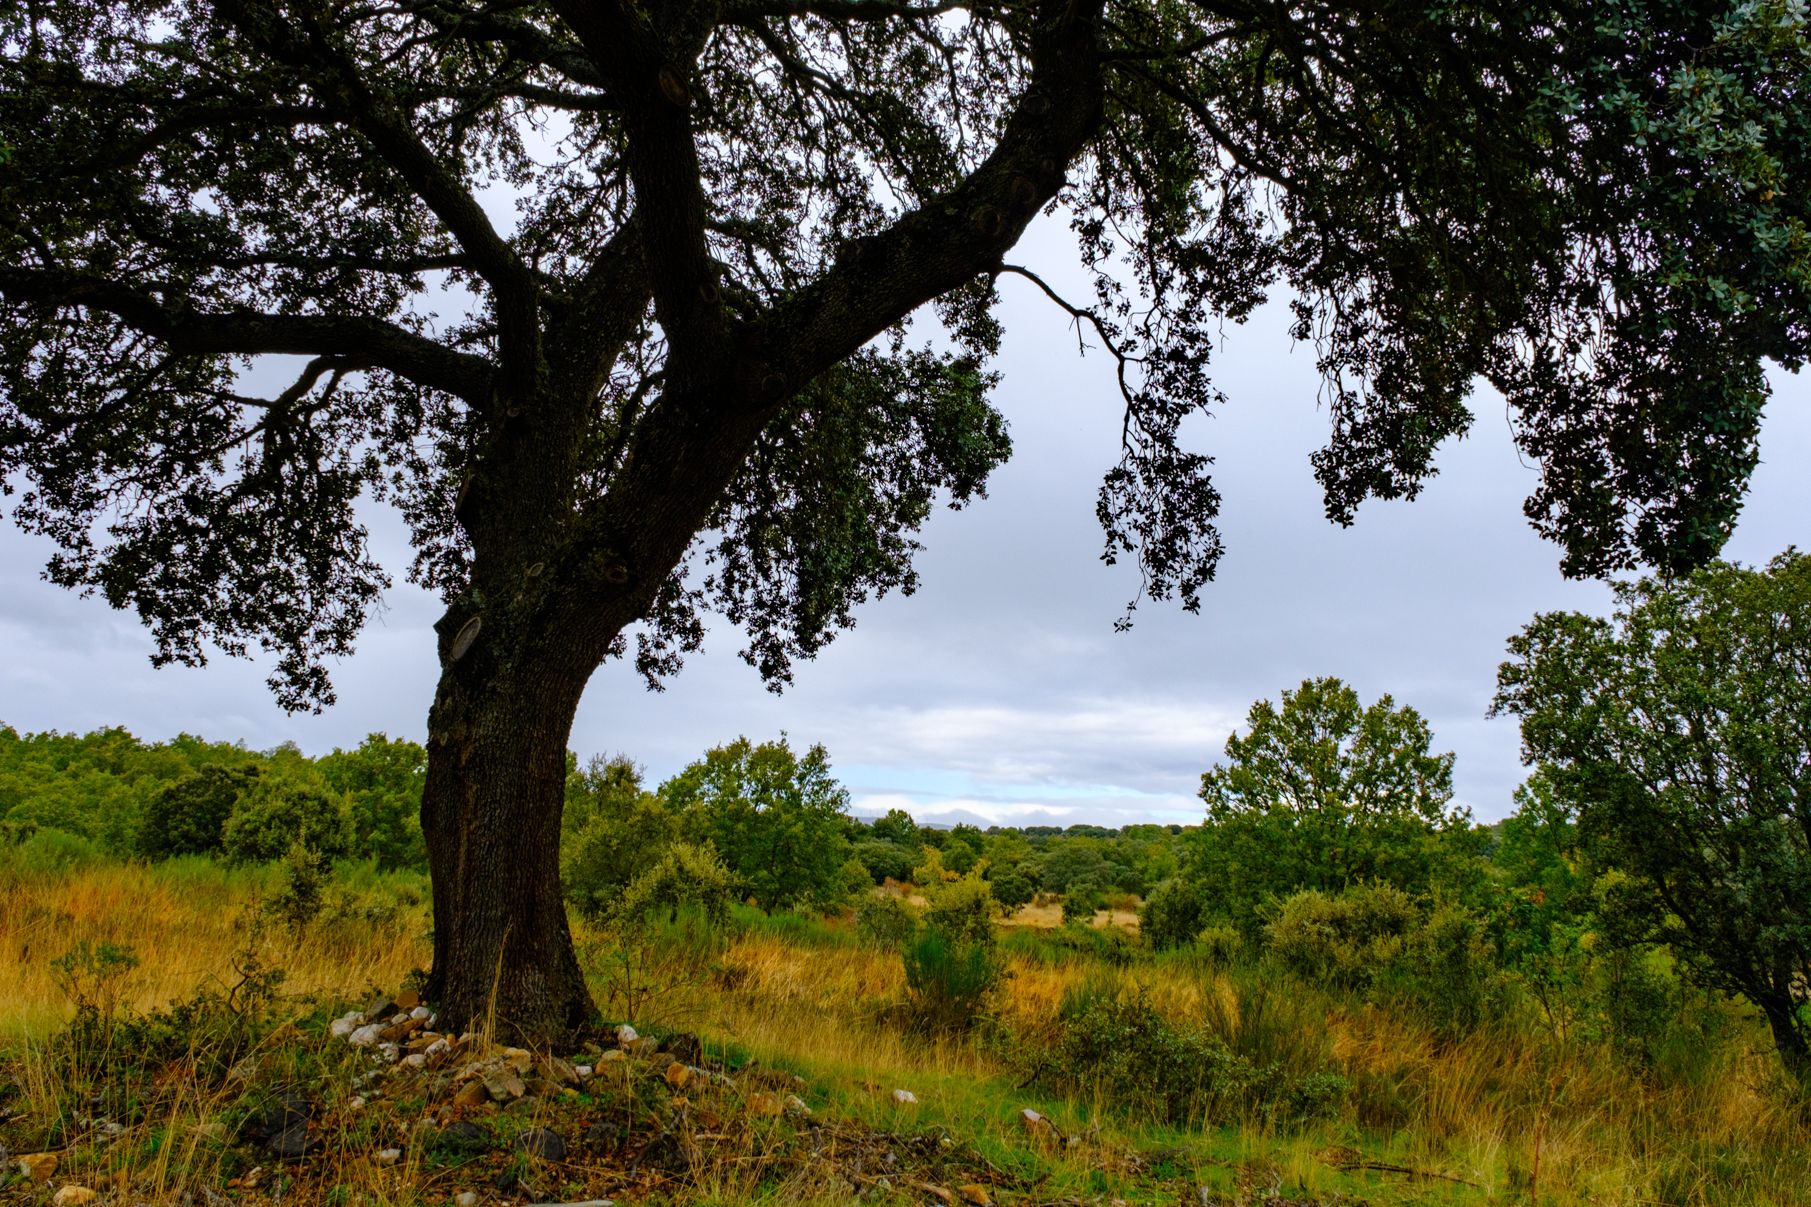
[555, 1071]
[472, 1093]
[612, 1056]
[38, 1166]
[976, 1194]
[678, 1075]
[389, 1156]
[795, 1106]
[416, 1060]
[583, 1071]
[346, 1024]
[904, 1096]
[74, 1196]
[421, 1014]
[291, 1140]
[466, 1198]
[437, 1048]
[408, 999]
[365, 1036]
[391, 1053]
[358, 1102]
[461, 1137]
[626, 1034]
[543, 1143]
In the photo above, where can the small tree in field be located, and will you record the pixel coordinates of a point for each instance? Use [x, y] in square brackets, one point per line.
[776, 819]
[683, 374]
[1321, 793]
[1680, 732]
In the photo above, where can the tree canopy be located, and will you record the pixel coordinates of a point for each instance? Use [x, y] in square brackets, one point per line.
[685, 373]
[1680, 732]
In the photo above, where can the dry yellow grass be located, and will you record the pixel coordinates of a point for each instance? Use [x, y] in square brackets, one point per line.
[185, 926]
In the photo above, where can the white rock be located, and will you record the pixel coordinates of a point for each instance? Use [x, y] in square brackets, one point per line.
[626, 1034]
[904, 1096]
[416, 1060]
[421, 1012]
[583, 1071]
[436, 1048]
[358, 1102]
[389, 1156]
[345, 1024]
[365, 1036]
[466, 1198]
[390, 1052]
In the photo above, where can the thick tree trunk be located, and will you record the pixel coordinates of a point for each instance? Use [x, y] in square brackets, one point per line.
[1788, 1035]
[503, 954]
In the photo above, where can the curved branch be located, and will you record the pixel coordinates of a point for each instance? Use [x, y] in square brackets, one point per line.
[356, 339]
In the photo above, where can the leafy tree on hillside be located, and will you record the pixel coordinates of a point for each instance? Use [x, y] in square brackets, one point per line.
[682, 374]
[1680, 732]
[1322, 793]
[776, 819]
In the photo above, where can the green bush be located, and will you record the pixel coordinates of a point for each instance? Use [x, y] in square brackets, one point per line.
[886, 860]
[962, 910]
[56, 851]
[948, 980]
[685, 877]
[1220, 946]
[1112, 1043]
[885, 921]
[1448, 968]
[1173, 914]
[189, 817]
[1344, 940]
[610, 833]
[277, 811]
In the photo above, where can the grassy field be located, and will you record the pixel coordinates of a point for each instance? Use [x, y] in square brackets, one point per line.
[1503, 1115]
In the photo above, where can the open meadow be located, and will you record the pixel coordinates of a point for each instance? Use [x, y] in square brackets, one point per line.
[149, 1062]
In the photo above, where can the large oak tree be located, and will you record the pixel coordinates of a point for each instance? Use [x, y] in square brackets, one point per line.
[682, 375]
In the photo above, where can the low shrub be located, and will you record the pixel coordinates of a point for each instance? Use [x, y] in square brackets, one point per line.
[885, 921]
[1110, 1042]
[1173, 914]
[948, 980]
[684, 877]
[1344, 940]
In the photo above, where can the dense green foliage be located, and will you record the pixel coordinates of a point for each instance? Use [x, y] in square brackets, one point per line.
[184, 796]
[1678, 732]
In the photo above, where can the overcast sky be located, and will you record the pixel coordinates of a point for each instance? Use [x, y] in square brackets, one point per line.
[1000, 690]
